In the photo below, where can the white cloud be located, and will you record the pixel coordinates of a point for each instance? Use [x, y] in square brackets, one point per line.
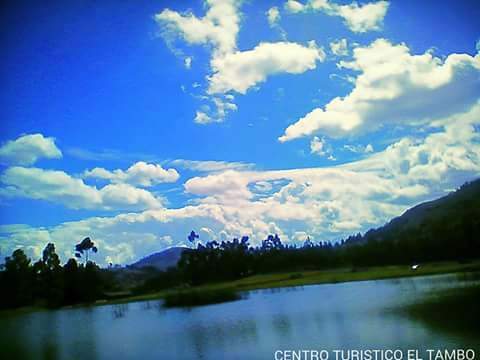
[242, 70]
[273, 16]
[325, 203]
[224, 106]
[359, 148]
[321, 148]
[202, 118]
[234, 70]
[188, 62]
[394, 87]
[294, 6]
[362, 18]
[219, 27]
[27, 149]
[358, 18]
[140, 174]
[339, 48]
[59, 187]
[300, 237]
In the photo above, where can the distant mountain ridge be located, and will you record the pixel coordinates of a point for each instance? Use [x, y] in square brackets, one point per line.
[161, 260]
[445, 228]
[435, 229]
[454, 208]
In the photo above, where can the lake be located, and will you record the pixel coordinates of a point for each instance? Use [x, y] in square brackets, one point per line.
[354, 315]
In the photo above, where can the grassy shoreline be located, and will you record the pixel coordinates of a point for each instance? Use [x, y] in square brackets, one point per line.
[290, 279]
[317, 277]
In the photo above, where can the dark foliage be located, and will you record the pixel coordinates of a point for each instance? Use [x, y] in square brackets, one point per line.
[160, 280]
[189, 298]
[445, 229]
[84, 247]
[47, 283]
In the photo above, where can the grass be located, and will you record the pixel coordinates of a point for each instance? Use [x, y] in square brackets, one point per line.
[347, 274]
[196, 297]
[288, 279]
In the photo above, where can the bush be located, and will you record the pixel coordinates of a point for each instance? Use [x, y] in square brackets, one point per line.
[188, 298]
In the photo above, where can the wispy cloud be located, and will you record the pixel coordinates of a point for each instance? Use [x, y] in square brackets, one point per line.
[210, 165]
[109, 155]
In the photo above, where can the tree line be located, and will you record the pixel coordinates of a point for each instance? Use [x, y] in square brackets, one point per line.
[445, 229]
[46, 282]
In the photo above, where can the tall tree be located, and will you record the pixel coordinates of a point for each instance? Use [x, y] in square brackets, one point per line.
[52, 276]
[72, 290]
[84, 247]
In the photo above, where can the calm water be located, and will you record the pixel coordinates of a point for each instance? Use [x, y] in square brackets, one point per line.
[335, 316]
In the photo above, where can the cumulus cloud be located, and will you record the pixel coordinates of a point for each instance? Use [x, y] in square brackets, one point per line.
[358, 18]
[231, 69]
[242, 70]
[339, 48]
[326, 203]
[219, 27]
[59, 187]
[139, 174]
[27, 149]
[439, 157]
[353, 196]
[361, 18]
[394, 87]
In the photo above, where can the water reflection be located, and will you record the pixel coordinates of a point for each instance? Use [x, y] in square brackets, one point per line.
[282, 326]
[221, 336]
[119, 310]
[331, 316]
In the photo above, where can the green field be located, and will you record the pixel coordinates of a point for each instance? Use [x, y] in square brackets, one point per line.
[287, 279]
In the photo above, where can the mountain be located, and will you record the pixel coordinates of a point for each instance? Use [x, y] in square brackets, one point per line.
[161, 260]
[448, 212]
[446, 228]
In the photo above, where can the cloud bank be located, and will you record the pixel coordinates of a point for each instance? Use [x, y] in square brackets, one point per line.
[394, 87]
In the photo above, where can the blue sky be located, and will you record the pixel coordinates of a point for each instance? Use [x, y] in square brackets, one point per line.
[136, 122]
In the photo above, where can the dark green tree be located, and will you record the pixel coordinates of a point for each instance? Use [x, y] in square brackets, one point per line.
[17, 280]
[84, 247]
[72, 290]
[51, 275]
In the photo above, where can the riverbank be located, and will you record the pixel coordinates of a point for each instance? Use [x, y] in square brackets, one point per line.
[303, 278]
[296, 278]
